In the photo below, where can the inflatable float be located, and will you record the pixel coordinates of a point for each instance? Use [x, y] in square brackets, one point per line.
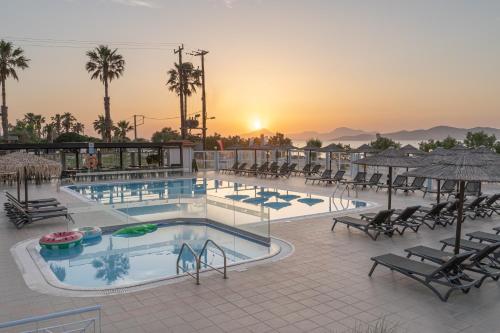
[89, 232]
[61, 240]
[137, 230]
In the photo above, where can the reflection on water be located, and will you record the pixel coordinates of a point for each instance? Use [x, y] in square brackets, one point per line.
[59, 272]
[111, 267]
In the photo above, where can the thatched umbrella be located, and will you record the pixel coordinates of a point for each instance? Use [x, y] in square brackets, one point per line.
[309, 149]
[462, 167]
[410, 150]
[332, 148]
[26, 166]
[391, 158]
[365, 149]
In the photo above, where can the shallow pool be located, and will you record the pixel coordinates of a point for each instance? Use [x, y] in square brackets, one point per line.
[114, 261]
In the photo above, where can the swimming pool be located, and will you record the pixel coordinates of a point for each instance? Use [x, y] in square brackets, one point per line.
[157, 200]
[118, 262]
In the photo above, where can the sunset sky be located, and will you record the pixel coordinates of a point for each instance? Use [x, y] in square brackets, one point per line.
[287, 65]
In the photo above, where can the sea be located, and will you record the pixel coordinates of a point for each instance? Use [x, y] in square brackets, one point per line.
[354, 144]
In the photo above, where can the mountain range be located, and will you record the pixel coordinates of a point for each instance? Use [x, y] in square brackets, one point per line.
[349, 134]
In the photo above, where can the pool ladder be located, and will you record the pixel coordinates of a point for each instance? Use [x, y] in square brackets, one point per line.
[198, 261]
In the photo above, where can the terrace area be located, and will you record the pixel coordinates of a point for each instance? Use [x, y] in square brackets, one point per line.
[323, 286]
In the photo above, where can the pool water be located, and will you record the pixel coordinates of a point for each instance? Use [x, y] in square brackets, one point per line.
[114, 261]
[157, 200]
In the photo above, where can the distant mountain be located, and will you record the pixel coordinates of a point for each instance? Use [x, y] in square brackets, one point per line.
[258, 133]
[327, 136]
[435, 133]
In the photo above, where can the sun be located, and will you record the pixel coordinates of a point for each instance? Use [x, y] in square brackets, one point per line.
[257, 125]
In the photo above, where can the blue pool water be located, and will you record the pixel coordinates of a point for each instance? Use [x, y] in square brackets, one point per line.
[158, 199]
[113, 261]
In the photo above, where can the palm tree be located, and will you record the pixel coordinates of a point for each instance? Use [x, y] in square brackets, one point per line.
[106, 65]
[39, 121]
[49, 131]
[67, 120]
[122, 128]
[78, 128]
[191, 79]
[11, 58]
[57, 122]
[100, 126]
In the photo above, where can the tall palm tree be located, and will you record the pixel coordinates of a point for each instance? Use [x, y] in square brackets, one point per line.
[122, 128]
[78, 128]
[11, 58]
[39, 121]
[100, 126]
[49, 131]
[67, 120]
[57, 122]
[106, 65]
[187, 83]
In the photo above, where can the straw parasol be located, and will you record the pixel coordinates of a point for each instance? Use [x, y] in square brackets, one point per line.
[27, 166]
[467, 165]
[411, 150]
[332, 148]
[365, 149]
[391, 158]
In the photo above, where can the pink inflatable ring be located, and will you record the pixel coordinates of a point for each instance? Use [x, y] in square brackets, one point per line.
[61, 240]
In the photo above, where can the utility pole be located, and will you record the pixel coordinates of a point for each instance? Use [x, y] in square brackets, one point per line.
[202, 53]
[136, 124]
[181, 91]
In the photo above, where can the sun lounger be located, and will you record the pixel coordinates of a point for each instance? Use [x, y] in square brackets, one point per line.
[305, 170]
[327, 174]
[272, 170]
[401, 218]
[231, 169]
[338, 177]
[447, 274]
[359, 177]
[448, 187]
[400, 180]
[314, 170]
[482, 236]
[489, 206]
[416, 185]
[472, 188]
[480, 262]
[373, 181]
[380, 223]
[465, 244]
[21, 216]
[497, 230]
[433, 216]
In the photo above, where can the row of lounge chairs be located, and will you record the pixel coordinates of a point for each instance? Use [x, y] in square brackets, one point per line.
[442, 214]
[462, 271]
[265, 170]
[21, 213]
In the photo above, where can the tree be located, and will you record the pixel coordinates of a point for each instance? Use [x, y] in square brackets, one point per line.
[279, 139]
[11, 58]
[166, 134]
[314, 142]
[383, 143]
[49, 132]
[24, 131]
[78, 128]
[478, 139]
[100, 126]
[35, 121]
[187, 84]
[122, 128]
[447, 143]
[75, 137]
[57, 122]
[106, 65]
[67, 121]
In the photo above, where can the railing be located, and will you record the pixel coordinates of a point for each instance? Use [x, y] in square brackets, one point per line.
[76, 326]
[204, 248]
[198, 261]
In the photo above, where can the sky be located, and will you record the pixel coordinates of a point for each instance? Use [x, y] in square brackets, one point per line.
[286, 65]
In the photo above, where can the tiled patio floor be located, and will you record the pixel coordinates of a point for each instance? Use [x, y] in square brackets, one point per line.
[322, 287]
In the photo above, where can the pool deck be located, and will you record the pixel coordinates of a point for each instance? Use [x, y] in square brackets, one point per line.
[322, 287]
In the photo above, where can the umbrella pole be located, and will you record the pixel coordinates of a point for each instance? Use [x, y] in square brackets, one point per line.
[18, 186]
[389, 193]
[461, 191]
[438, 190]
[25, 188]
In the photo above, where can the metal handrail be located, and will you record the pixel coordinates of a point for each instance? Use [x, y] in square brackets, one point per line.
[54, 316]
[223, 255]
[196, 258]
